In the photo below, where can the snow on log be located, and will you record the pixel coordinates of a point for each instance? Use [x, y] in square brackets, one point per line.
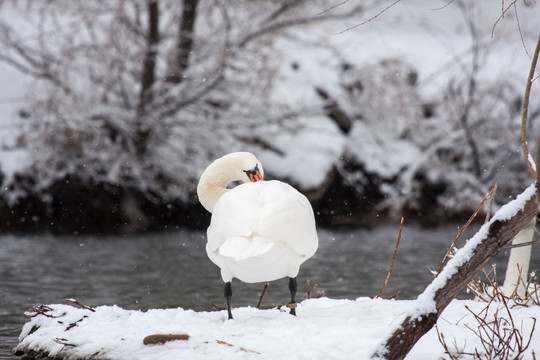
[459, 271]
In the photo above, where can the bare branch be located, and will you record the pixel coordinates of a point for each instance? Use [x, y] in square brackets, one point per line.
[333, 7]
[393, 260]
[263, 292]
[445, 5]
[78, 304]
[294, 22]
[530, 163]
[460, 232]
[503, 13]
[216, 306]
[285, 6]
[491, 201]
[371, 18]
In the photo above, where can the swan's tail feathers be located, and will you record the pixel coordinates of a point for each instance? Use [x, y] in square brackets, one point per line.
[241, 248]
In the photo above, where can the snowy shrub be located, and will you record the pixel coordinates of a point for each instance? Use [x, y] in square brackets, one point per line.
[91, 120]
[126, 97]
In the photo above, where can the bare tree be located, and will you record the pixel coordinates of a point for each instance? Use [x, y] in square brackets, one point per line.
[136, 92]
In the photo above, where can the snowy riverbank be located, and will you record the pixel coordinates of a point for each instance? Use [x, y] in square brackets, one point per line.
[324, 329]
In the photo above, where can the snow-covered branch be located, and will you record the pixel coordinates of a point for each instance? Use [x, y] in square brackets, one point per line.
[459, 271]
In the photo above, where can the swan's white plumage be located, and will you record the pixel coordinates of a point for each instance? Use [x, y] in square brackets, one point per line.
[260, 231]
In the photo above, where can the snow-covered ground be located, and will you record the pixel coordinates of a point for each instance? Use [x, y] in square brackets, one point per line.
[323, 329]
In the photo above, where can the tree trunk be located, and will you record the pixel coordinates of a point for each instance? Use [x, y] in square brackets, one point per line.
[459, 272]
[185, 41]
[149, 64]
[148, 76]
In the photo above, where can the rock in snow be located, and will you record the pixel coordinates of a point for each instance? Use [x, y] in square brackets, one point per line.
[324, 329]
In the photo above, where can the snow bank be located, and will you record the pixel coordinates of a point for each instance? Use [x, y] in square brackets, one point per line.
[324, 329]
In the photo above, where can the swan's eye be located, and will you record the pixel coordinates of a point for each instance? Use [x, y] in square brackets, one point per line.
[254, 175]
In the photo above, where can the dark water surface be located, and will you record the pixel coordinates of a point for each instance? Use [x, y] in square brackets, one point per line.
[172, 270]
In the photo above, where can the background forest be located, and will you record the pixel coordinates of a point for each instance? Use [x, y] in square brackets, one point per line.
[111, 110]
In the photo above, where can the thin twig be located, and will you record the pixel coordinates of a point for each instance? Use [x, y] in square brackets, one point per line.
[265, 289]
[221, 342]
[309, 288]
[525, 114]
[64, 342]
[538, 158]
[520, 32]
[460, 232]
[217, 306]
[294, 22]
[491, 201]
[40, 310]
[78, 304]
[395, 295]
[371, 18]
[333, 7]
[512, 246]
[444, 6]
[393, 260]
[503, 12]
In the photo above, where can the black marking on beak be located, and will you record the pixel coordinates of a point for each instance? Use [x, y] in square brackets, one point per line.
[254, 175]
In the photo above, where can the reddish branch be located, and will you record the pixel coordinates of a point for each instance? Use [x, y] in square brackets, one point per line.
[393, 260]
[460, 232]
[265, 289]
[525, 114]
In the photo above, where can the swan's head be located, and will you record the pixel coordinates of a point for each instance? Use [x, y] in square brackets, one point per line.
[237, 166]
[248, 167]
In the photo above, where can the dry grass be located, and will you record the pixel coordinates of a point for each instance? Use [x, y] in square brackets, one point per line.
[500, 337]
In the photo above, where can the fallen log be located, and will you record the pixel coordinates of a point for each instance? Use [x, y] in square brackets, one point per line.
[459, 271]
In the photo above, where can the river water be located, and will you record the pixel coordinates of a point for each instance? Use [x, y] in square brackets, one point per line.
[172, 270]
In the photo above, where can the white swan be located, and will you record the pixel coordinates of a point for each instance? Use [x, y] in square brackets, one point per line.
[260, 230]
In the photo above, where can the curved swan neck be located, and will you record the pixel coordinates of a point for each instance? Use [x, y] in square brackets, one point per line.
[211, 188]
[214, 180]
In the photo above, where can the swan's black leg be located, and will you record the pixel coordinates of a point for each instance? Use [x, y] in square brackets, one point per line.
[293, 288]
[228, 296]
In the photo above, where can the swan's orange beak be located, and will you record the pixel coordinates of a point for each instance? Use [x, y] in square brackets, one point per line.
[255, 176]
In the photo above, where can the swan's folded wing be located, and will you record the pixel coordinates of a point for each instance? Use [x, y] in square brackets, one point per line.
[232, 218]
[241, 248]
[270, 212]
[288, 217]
